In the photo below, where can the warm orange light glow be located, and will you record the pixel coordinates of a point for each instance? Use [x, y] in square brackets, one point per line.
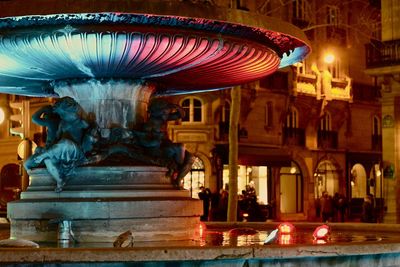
[2, 115]
[321, 232]
[202, 230]
[319, 241]
[285, 239]
[286, 228]
[329, 58]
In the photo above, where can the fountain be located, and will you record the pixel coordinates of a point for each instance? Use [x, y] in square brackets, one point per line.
[110, 67]
[113, 65]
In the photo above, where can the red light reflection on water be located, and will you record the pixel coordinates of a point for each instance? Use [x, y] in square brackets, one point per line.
[286, 239]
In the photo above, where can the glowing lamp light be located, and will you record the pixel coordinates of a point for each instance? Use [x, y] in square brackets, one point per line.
[286, 228]
[329, 58]
[2, 115]
[293, 170]
[378, 172]
[321, 232]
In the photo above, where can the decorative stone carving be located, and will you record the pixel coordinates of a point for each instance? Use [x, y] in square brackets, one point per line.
[72, 141]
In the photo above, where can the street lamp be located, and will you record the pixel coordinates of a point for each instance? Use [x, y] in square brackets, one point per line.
[329, 58]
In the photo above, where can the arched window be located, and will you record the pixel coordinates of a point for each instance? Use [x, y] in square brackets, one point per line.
[193, 110]
[226, 110]
[326, 179]
[195, 178]
[292, 119]
[358, 181]
[325, 123]
[376, 125]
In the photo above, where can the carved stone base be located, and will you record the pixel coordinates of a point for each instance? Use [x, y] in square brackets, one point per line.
[103, 202]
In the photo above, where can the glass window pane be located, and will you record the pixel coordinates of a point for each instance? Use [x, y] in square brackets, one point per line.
[197, 110]
[186, 108]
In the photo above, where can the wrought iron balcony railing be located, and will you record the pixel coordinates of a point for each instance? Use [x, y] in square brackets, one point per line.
[327, 139]
[293, 136]
[382, 54]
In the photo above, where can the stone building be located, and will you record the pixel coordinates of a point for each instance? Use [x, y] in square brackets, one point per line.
[306, 129]
[383, 63]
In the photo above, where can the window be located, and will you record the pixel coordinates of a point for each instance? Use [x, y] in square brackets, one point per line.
[333, 15]
[326, 179]
[334, 68]
[195, 178]
[376, 126]
[325, 123]
[193, 110]
[292, 119]
[224, 120]
[376, 134]
[300, 67]
[258, 177]
[226, 111]
[268, 114]
[299, 9]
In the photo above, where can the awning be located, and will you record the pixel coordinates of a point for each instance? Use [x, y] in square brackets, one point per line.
[257, 156]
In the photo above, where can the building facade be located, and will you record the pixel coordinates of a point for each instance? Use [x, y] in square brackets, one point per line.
[310, 128]
[383, 63]
[306, 129]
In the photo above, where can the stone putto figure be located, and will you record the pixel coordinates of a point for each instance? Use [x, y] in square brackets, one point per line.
[73, 141]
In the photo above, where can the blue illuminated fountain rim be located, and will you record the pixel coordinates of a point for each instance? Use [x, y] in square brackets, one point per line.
[233, 53]
[280, 42]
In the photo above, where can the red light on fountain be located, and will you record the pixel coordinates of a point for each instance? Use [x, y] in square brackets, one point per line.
[286, 232]
[286, 228]
[322, 233]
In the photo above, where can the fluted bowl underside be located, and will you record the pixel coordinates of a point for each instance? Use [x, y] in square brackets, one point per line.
[178, 53]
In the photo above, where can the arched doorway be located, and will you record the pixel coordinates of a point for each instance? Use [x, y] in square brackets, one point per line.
[291, 189]
[326, 179]
[195, 178]
[10, 184]
[358, 181]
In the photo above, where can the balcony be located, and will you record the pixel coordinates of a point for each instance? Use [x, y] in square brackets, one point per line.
[327, 139]
[382, 54]
[293, 136]
[365, 92]
[340, 89]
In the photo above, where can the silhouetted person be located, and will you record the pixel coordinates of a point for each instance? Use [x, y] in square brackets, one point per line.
[368, 210]
[326, 207]
[205, 195]
[341, 206]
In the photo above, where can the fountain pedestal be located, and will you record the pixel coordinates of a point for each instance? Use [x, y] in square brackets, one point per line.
[102, 203]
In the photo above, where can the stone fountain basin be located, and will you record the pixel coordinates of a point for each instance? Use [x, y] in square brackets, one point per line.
[180, 53]
[196, 253]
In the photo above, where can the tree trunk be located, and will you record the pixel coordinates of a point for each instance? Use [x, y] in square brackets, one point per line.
[233, 154]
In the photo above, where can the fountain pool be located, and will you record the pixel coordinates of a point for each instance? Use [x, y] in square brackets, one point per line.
[350, 244]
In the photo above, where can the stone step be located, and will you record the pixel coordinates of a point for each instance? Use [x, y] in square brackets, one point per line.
[120, 175]
[97, 208]
[68, 187]
[89, 193]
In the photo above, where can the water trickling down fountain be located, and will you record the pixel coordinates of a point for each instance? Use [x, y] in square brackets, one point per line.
[110, 66]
